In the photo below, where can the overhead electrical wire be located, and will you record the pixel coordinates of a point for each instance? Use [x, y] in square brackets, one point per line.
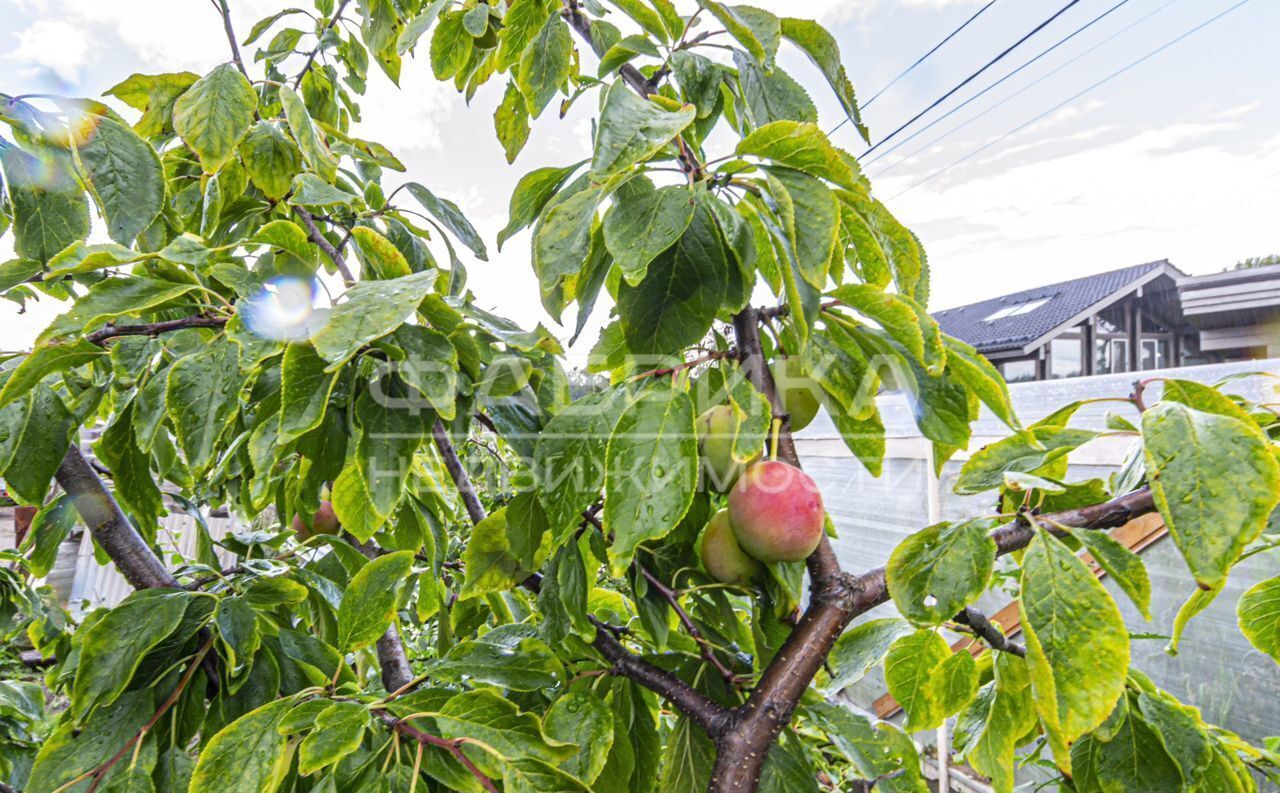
[935, 141]
[926, 56]
[971, 77]
[994, 85]
[1074, 97]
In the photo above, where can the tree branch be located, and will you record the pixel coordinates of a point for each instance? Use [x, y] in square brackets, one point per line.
[231, 36]
[710, 716]
[392, 660]
[110, 528]
[453, 746]
[985, 630]
[315, 235]
[333, 20]
[153, 329]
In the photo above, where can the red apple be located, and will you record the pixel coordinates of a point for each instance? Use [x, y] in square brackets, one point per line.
[722, 557]
[776, 512]
[324, 522]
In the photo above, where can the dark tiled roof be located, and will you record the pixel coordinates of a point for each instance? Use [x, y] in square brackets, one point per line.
[1065, 300]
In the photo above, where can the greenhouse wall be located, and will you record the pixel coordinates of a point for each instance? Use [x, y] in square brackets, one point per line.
[1235, 685]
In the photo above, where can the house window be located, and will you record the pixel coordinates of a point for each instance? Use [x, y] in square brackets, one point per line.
[1019, 371]
[1064, 355]
[1155, 354]
[1111, 356]
[1016, 310]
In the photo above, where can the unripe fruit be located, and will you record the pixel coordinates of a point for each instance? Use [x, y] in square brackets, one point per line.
[776, 512]
[324, 522]
[798, 391]
[717, 427]
[721, 555]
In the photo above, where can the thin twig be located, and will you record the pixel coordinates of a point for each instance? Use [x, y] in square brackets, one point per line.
[306, 67]
[335, 256]
[153, 329]
[231, 36]
[986, 630]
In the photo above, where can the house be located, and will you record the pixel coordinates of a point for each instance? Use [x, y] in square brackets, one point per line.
[1138, 318]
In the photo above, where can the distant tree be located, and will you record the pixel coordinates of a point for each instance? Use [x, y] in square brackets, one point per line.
[1257, 261]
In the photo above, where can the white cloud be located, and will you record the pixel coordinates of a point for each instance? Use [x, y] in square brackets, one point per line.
[53, 45]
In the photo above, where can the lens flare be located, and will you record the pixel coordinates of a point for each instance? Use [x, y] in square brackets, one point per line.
[285, 309]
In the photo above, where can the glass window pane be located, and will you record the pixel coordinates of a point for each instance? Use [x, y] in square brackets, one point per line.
[1018, 371]
[1155, 352]
[1065, 358]
[1120, 355]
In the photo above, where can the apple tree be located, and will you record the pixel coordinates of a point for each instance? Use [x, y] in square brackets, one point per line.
[453, 576]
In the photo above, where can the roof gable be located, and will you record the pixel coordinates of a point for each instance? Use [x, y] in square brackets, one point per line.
[1011, 322]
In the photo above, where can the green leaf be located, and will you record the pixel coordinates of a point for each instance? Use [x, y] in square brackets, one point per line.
[804, 147]
[45, 361]
[451, 45]
[1215, 481]
[522, 22]
[904, 256]
[1133, 759]
[570, 458]
[937, 571]
[1123, 565]
[511, 122]
[862, 648]
[305, 387]
[645, 17]
[545, 65]
[535, 776]
[639, 227]
[450, 217]
[771, 96]
[513, 659]
[504, 549]
[287, 236]
[311, 190]
[911, 670]
[430, 367]
[310, 139]
[756, 30]
[49, 208]
[382, 259]
[34, 433]
[390, 433]
[112, 648]
[1258, 613]
[17, 271]
[115, 297]
[821, 47]
[683, 290]
[562, 242]
[214, 114]
[486, 718]
[582, 718]
[978, 374]
[811, 219]
[902, 319]
[1005, 719]
[1024, 452]
[237, 625]
[72, 751]
[532, 193]
[369, 602]
[271, 159]
[688, 757]
[353, 503]
[632, 130]
[371, 310]
[130, 466]
[248, 755]
[202, 398]
[1199, 600]
[124, 173]
[881, 754]
[653, 442]
[154, 94]
[1180, 730]
[1064, 608]
[339, 729]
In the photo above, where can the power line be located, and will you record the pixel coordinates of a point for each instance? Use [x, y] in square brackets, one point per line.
[1073, 97]
[994, 85]
[971, 77]
[1024, 89]
[925, 57]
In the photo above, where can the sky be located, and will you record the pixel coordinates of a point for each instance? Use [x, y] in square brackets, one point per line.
[1178, 157]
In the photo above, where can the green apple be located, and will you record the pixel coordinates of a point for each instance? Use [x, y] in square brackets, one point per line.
[798, 391]
[721, 555]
